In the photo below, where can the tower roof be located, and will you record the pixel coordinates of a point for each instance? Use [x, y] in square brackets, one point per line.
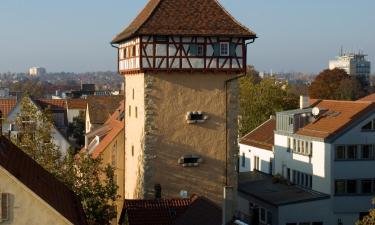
[186, 18]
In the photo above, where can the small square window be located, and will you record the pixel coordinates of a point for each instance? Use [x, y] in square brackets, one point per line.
[340, 152]
[224, 48]
[340, 186]
[352, 152]
[366, 186]
[200, 50]
[351, 186]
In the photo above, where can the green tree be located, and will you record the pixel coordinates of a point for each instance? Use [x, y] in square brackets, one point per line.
[336, 84]
[94, 184]
[369, 219]
[76, 130]
[34, 136]
[258, 101]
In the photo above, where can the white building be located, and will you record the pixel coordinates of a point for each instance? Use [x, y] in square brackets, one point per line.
[256, 148]
[37, 71]
[354, 65]
[324, 156]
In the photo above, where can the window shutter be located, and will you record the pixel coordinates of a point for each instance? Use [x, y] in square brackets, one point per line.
[4, 202]
[193, 49]
[216, 47]
[232, 49]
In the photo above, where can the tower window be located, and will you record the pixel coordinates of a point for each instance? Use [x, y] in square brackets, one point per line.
[224, 48]
[133, 94]
[196, 117]
[190, 160]
[132, 150]
[130, 111]
[136, 112]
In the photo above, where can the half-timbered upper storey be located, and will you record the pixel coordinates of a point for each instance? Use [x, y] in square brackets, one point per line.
[183, 35]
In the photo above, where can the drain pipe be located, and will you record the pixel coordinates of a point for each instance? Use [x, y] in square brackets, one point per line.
[228, 193]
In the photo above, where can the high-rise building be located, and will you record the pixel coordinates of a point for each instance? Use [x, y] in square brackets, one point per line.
[354, 65]
[181, 60]
[37, 71]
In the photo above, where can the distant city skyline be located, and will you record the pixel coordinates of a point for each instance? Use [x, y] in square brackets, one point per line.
[74, 36]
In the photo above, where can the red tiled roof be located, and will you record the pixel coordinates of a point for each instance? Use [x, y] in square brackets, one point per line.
[336, 116]
[262, 136]
[42, 183]
[102, 107]
[76, 103]
[6, 105]
[51, 103]
[370, 98]
[196, 210]
[184, 17]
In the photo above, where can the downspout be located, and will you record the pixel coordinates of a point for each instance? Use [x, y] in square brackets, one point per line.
[118, 71]
[226, 111]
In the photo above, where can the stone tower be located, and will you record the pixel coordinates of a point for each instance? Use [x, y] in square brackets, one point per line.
[177, 57]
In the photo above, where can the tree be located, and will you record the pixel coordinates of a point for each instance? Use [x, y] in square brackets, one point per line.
[369, 219]
[87, 177]
[335, 84]
[258, 101]
[94, 184]
[34, 136]
[76, 130]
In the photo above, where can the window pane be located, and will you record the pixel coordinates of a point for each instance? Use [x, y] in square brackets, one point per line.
[366, 186]
[340, 152]
[366, 152]
[368, 126]
[262, 214]
[352, 152]
[340, 187]
[351, 186]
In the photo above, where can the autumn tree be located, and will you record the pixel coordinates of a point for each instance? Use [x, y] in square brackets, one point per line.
[258, 101]
[336, 84]
[369, 219]
[94, 183]
[34, 136]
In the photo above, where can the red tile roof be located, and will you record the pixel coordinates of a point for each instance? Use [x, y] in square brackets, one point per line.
[184, 17]
[262, 136]
[6, 105]
[51, 103]
[42, 183]
[76, 103]
[336, 117]
[370, 98]
[196, 210]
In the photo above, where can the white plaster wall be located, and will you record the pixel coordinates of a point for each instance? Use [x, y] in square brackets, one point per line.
[134, 128]
[250, 151]
[318, 165]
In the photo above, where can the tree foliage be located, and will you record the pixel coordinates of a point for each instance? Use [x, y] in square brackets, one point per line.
[258, 101]
[369, 219]
[76, 129]
[93, 182]
[336, 84]
[34, 127]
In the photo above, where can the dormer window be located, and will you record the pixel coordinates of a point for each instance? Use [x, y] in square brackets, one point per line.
[224, 48]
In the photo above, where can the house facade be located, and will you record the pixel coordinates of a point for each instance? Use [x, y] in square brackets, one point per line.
[257, 148]
[181, 98]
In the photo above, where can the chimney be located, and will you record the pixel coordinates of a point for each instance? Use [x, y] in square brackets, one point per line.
[228, 205]
[304, 102]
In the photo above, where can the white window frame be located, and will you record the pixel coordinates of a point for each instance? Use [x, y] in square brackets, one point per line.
[222, 53]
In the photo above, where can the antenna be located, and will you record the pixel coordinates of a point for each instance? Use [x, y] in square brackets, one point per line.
[315, 111]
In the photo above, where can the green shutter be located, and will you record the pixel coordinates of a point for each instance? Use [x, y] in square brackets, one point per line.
[232, 49]
[193, 49]
[216, 47]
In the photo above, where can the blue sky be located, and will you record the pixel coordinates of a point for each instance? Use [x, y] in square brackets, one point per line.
[74, 35]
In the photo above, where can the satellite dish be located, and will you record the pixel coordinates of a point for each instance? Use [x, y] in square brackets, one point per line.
[315, 111]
